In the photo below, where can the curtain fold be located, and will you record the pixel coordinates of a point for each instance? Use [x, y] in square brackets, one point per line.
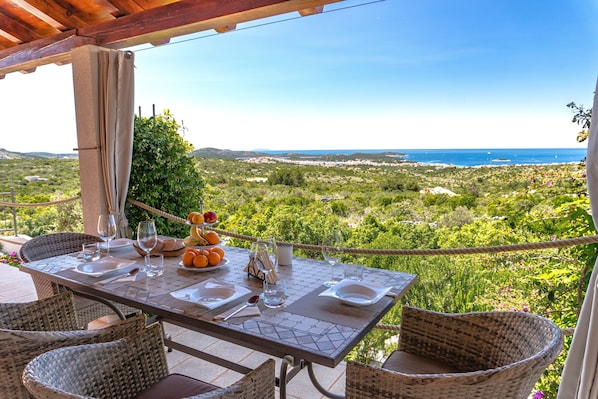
[579, 379]
[110, 107]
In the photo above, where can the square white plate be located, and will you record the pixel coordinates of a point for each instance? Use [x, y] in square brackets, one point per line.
[103, 266]
[356, 293]
[211, 293]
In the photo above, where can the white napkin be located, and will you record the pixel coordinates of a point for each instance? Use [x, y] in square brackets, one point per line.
[253, 268]
[186, 293]
[248, 311]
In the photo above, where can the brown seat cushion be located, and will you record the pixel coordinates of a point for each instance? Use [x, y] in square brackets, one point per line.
[176, 386]
[409, 363]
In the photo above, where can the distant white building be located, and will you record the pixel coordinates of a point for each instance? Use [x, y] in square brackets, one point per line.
[438, 190]
[34, 178]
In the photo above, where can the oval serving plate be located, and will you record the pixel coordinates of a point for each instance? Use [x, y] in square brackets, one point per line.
[222, 263]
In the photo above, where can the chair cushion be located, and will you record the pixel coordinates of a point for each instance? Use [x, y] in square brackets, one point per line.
[410, 363]
[176, 386]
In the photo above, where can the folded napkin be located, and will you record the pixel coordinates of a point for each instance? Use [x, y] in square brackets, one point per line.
[247, 312]
[253, 268]
[194, 293]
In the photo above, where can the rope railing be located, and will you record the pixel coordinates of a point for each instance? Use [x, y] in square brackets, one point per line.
[34, 204]
[569, 242]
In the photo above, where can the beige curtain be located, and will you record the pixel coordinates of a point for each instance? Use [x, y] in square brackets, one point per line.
[112, 85]
[579, 378]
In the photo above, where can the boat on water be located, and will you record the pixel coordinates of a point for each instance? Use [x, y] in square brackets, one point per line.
[501, 160]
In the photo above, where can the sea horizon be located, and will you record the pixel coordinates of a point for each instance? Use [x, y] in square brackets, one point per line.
[465, 156]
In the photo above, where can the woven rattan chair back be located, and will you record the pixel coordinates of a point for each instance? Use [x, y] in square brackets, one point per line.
[123, 369]
[498, 355]
[30, 329]
[54, 244]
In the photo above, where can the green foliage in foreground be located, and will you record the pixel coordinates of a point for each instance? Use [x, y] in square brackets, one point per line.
[380, 206]
[163, 175]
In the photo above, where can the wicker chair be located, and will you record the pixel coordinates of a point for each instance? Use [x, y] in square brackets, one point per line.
[54, 244]
[29, 329]
[461, 356]
[133, 367]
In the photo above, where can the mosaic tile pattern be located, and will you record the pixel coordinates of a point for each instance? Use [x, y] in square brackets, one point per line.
[277, 331]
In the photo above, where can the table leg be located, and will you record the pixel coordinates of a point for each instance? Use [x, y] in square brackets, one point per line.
[319, 387]
[286, 376]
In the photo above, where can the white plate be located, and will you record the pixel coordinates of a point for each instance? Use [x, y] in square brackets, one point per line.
[356, 293]
[103, 266]
[115, 244]
[222, 263]
[211, 293]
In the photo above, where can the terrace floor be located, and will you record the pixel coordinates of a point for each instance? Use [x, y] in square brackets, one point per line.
[16, 286]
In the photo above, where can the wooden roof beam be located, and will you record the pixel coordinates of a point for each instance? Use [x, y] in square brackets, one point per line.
[311, 11]
[187, 17]
[156, 25]
[55, 49]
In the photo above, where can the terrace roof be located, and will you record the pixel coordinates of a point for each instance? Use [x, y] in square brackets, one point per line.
[39, 32]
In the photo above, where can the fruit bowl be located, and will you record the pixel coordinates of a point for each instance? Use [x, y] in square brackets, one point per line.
[204, 224]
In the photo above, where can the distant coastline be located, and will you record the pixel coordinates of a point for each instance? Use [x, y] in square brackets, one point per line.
[443, 157]
[461, 157]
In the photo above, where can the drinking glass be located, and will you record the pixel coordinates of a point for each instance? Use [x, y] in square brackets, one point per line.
[332, 253]
[256, 248]
[147, 239]
[107, 229]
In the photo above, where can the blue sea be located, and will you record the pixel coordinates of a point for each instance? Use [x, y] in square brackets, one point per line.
[469, 157]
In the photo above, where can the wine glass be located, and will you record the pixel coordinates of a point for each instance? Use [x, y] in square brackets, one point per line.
[332, 253]
[107, 229]
[147, 239]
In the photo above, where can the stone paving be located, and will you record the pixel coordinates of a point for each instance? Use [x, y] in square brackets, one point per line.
[16, 286]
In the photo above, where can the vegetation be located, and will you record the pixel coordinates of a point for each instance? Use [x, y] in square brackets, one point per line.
[378, 202]
[163, 175]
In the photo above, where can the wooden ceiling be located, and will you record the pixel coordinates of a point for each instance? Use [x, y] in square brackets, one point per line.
[40, 32]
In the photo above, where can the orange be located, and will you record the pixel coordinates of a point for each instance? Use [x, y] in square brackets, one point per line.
[214, 258]
[200, 261]
[191, 215]
[219, 251]
[212, 237]
[194, 251]
[188, 258]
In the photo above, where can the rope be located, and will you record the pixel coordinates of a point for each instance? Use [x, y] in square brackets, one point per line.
[16, 204]
[570, 242]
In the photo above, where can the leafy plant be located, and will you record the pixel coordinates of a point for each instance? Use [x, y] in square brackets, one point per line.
[163, 174]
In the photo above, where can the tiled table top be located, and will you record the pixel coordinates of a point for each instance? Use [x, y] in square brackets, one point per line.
[323, 334]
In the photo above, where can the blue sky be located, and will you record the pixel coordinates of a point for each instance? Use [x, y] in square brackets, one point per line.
[362, 75]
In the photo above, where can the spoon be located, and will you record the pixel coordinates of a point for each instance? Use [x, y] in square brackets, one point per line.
[132, 272]
[252, 301]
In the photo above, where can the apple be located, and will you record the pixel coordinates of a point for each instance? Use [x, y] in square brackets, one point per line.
[210, 216]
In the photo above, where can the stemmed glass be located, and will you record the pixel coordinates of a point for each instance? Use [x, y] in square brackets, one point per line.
[107, 229]
[147, 239]
[332, 253]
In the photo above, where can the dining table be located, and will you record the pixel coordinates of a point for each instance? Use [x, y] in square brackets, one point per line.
[308, 329]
